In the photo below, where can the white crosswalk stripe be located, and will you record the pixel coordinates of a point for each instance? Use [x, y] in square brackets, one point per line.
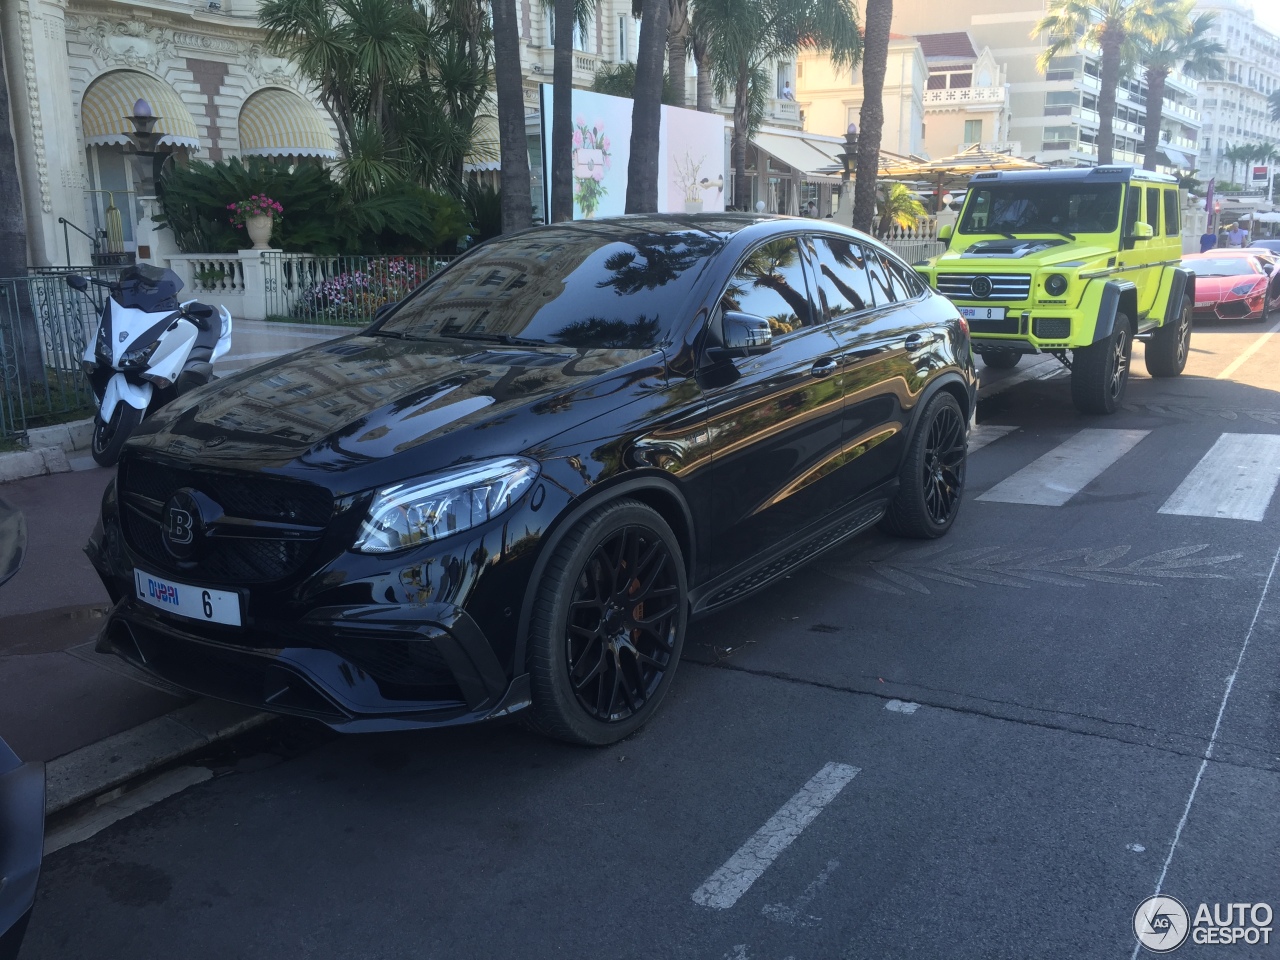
[1067, 469]
[1234, 480]
[986, 433]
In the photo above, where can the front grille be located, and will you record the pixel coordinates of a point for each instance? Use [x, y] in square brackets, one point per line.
[1052, 328]
[1004, 286]
[1233, 309]
[145, 486]
[1007, 325]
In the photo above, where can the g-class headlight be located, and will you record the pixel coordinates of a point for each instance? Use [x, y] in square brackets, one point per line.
[1055, 285]
[410, 514]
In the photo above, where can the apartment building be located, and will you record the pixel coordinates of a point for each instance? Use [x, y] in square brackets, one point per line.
[1235, 106]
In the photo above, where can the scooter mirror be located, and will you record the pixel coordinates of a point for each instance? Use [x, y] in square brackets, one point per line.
[201, 311]
[77, 282]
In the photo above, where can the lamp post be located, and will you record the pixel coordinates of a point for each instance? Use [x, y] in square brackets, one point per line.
[149, 157]
[849, 163]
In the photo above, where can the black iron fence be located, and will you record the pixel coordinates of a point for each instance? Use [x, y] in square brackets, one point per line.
[44, 328]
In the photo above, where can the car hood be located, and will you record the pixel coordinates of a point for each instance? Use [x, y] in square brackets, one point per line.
[355, 402]
[1033, 252]
[1219, 288]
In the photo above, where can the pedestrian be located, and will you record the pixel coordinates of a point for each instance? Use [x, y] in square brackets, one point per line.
[1222, 236]
[1208, 240]
[786, 91]
[1236, 237]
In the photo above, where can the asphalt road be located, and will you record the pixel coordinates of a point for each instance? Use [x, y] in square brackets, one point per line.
[991, 746]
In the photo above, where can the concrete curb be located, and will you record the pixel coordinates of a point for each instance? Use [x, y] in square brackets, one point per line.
[47, 449]
[100, 766]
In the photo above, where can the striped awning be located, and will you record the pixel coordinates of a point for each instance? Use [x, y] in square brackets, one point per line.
[279, 123]
[110, 99]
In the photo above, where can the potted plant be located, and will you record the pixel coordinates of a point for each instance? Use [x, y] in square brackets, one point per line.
[256, 216]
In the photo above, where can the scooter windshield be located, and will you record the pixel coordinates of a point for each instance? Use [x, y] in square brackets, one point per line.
[144, 287]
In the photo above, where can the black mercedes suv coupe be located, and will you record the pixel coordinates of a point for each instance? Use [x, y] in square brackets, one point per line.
[514, 490]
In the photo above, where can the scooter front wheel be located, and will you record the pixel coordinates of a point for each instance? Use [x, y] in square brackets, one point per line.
[109, 437]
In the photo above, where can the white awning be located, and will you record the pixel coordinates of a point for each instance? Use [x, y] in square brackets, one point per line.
[802, 156]
[1176, 157]
[279, 123]
[110, 99]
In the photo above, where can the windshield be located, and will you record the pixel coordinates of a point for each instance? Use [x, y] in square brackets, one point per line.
[573, 287]
[144, 287]
[1041, 207]
[1223, 267]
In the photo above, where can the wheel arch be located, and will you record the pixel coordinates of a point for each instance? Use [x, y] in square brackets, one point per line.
[1183, 285]
[653, 491]
[953, 384]
[1118, 296]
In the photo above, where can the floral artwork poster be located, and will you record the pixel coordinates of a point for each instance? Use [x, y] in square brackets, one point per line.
[690, 162]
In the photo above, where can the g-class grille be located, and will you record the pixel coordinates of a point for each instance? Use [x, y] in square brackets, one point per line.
[1004, 286]
[266, 530]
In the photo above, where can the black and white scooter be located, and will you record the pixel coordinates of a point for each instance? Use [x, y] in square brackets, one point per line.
[149, 349]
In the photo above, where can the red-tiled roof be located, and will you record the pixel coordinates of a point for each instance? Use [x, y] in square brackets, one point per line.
[952, 46]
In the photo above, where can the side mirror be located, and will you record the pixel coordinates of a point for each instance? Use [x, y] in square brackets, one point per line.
[383, 310]
[1142, 231]
[201, 311]
[945, 233]
[77, 282]
[1268, 268]
[746, 335]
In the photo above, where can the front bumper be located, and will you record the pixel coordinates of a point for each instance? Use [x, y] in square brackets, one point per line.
[1228, 310]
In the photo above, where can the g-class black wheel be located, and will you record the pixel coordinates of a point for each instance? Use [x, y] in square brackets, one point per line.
[1100, 371]
[932, 479]
[1000, 359]
[608, 626]
[1170, 344]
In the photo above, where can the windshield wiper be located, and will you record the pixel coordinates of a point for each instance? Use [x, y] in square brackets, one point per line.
[503, 338]
[1063, 233]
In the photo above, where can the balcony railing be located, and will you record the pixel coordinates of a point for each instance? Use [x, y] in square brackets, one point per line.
[788, 111]
[963, 95]
[1011, 147]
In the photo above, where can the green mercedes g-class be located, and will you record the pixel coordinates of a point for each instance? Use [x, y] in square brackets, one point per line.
[1075, 263]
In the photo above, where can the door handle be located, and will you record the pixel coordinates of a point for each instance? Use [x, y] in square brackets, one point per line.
[915, 341]
[824, 367]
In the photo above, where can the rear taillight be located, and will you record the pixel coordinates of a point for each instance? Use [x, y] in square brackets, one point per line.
[964, 325]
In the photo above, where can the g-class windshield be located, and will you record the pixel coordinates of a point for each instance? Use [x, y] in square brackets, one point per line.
[1015, 209]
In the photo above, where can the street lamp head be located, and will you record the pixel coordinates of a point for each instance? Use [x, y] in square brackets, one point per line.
[852, 131]
[141, 108]
[143, 119]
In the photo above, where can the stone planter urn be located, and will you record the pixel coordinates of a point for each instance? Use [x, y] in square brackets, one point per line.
[259, 229]
[693, 206]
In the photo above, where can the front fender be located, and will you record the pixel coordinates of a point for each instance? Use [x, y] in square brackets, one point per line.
[119, 388]
[1105, 300]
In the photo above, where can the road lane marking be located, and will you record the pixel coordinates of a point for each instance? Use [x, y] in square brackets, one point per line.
[1235, 480]
[1065, 470]
[986, 433]
[1253, 348]
[735, 877]
[794, 913]
[1213, 737]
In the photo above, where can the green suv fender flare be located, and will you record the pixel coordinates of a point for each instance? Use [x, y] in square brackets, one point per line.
[1181, 283]
[1112, 297]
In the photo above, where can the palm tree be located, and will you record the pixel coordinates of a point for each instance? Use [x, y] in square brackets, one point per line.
[562, 112]
[871, 117]
[700, 41]
[743, 35]
[1113, 27]
[646, 111]
[678, 31]
[517, 187]
[1237, 155]
[619, 80]
[1189, 47]
[13, 242]
[899, 208]
[1274, 101]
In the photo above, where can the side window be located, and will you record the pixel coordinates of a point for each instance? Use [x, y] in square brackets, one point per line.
[1171, 225]
[1153, 210]
[770, 283]
[881, 286]
[904, 278]
[1132, 209]
[844, 286]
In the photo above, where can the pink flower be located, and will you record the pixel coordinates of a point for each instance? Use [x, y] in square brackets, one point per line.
[605, 143]
[580, 120]
[599, 127]
[597, 174]
[577, 138]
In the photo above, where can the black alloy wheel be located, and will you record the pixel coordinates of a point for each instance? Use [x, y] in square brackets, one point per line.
[608, 626]
[109, 438]
[932, 480]
[1170, 345]
[1100, 371]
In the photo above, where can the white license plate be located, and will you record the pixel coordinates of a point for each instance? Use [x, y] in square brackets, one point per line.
[194, 603]
[1200, 304]
[982, 313]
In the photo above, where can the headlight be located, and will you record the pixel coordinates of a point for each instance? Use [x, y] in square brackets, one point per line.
[1240, 289]
[139, 356]
[103, 345]
[409, 514]
[1055, 285]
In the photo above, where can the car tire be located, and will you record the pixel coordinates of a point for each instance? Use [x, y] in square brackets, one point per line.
[1000, 359]
[109, 438]
[592, 598]
[1100, 371]
[1170, 345]
[931, 484]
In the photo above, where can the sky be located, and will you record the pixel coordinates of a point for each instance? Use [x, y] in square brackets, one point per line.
[1267, 13]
